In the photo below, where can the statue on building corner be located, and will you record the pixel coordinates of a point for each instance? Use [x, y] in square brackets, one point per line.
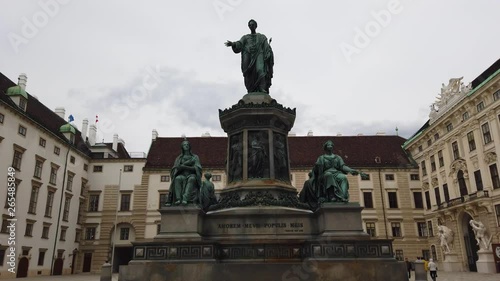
[446, 237]
[481, 234]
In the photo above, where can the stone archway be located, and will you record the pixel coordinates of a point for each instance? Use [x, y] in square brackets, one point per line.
[470, 246]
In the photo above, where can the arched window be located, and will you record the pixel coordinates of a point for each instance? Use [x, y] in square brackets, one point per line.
[434, 253]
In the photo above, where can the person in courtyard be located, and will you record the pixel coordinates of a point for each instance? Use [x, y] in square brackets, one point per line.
[408, 267]
[432, 269]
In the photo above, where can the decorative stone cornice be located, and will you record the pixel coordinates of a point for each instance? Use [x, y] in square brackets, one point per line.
[450, 95]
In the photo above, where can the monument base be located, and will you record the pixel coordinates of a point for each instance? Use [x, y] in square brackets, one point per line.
[486, 262]
[307, 270]
[451, 263]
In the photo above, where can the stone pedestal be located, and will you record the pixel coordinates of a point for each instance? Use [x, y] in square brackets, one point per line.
[106, 272]
[181, 222]
[451, 263]
[486, 262]
[420, 273]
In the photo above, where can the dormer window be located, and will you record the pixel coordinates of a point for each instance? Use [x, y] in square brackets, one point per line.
[480, 106]
[22, 104]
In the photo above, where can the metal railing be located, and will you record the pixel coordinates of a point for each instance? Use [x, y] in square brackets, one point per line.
[463, 199]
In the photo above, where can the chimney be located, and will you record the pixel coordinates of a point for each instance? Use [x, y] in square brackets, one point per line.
[380, 133]
[310, 133]
[115, 142]
[339, 134]
[155, 134]
[92, 134]
[61, 112]
[85, 128]
[206, 134]
[292, 134]
[22, 80]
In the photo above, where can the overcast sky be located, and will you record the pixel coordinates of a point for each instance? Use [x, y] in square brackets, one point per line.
[349, 67]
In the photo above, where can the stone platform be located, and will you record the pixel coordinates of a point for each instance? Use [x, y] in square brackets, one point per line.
[263, 243]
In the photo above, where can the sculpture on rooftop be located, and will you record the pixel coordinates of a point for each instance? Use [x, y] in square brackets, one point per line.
[257, 59]
[186, 177]
[329, 176]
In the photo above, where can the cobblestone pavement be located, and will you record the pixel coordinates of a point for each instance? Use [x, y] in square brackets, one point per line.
[442, 276]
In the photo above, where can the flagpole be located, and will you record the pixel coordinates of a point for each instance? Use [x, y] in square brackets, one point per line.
[116, 220]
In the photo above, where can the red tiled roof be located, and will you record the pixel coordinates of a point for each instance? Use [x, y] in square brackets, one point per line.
[357, 151]
[39, 113]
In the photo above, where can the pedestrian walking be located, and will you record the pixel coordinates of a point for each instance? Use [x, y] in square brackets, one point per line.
[408, 267]
[432, 269]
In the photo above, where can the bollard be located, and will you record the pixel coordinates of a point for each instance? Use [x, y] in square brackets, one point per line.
[420, 273]
[106, 272]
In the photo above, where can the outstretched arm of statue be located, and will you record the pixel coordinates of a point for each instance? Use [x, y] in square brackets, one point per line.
[228, 43]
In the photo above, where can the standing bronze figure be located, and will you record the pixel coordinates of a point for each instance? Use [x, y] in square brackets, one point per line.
[257, 59]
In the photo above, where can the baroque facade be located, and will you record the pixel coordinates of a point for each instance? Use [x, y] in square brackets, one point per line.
[457, 151]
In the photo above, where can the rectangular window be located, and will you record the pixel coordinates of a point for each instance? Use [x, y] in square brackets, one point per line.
[440, 158]
[42, 142]
[78, 234]
[163, 199]
[420, 148]
[94, 203]
[29, 229]
[417, 199]
[41, 258]
[449, 127]
[125, 202]
[479, 180]
[33, 200]
[90, 233]
[430, 229]
[1, 118]
[436, 136]
[422, 229]
[471, 141]
[486, 133]
[50, 202]
[57, 150]
[366, 178]
[72, 159]
[22, 104]
[437, 195]
[396, 229]
[427, 200]
[367, 198]
[433, 164]
[69, 183]
[429, 142]
[497, 210]
[446, 193]
[67, 204]
[495, 180]
[370, 229]
[158, 228]
[128, 168]
[22, 130]
[38, 169]
[389, 177]
[465, 116]
[399, 255]
[62, 236]
[456, 152]
[216, 178]
[414, 177]
[496, 95]
[16, 161]
[45, 231]
[424, 170]
[85, 167]
[5, 223]
[124, 233]
[480, 106]
[53, 175]
[165, 178]
[393, 200]
[97, 169]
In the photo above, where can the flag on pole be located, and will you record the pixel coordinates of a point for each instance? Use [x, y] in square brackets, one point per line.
[96, 119]
[70, 118]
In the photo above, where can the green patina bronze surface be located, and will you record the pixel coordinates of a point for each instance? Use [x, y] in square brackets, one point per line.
[257, 59]
[207, 193]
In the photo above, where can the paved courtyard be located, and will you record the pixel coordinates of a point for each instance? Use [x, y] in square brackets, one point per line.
[442, 276]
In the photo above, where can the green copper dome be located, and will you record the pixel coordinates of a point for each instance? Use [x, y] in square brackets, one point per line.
[67, 128]
[17, 91]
